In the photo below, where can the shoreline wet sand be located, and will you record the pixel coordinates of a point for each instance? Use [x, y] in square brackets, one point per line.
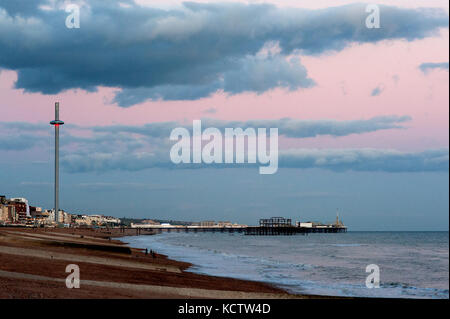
[33, 263]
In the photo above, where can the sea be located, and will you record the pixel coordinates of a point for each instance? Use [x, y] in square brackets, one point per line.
[410, 264]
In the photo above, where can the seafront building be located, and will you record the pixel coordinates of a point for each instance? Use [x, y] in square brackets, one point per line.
[7, 211]
[17, 211]
[22, 209]
[96, 220]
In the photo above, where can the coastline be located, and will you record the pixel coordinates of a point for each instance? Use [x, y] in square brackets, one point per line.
[33, 263]
[325, 265]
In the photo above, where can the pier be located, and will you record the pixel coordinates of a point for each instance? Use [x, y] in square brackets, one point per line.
[184, 229]
[200, 229]
[291, 230]
[274, 226]
[249, 230]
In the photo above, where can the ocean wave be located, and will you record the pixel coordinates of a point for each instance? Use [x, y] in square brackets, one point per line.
[348, 245]
[282, 262]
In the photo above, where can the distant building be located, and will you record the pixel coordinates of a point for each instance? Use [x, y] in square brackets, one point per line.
[63, 217]
[95, 220]
[305, 224]
[17, 210]
[275, 222]
[309, 224]
[21, 208]
[81, 220]
[109, 220]
[36, 212]
[3, 213]
[8, 213]
[207, 223]
[224, 224]
[149, 222]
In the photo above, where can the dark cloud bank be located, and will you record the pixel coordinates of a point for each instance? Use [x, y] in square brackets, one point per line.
[23, 135]
[368, 160]
[186, 53]
[134, 148]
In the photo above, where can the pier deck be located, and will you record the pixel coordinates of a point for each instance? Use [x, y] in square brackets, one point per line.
[250, 230]
[292, 230]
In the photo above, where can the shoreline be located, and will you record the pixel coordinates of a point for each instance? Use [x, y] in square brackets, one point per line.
[191, 264]
[226, 260]
[33, 263]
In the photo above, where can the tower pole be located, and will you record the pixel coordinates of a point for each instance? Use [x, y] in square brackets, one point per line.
[56, 164]
[56, 123]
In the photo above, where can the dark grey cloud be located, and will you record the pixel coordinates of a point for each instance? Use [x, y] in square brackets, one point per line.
[289, 127]
[127, 138]
[136, 148]
[250, 74]
[24, 135]
[189, 52]
[20, 136]
[339, 160]
[18, 142]
[426, 67]
[311, 128]
[104, 162]
[366, 160]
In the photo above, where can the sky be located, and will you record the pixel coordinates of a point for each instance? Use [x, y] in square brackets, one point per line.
[362, 113]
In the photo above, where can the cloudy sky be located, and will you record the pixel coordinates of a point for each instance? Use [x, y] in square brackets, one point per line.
[362, 113]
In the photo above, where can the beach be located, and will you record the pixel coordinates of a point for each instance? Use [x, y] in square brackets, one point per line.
[33, 263]
[130, 263]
